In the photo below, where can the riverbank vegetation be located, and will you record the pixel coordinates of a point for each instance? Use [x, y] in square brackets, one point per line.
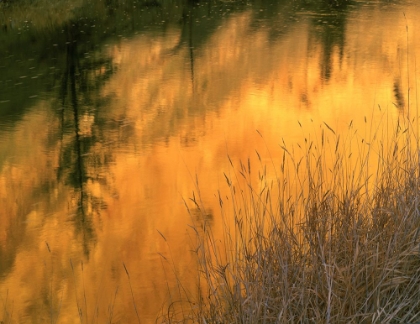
[330, 235]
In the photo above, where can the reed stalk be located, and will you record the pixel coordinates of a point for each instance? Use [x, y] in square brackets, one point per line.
[330, 235]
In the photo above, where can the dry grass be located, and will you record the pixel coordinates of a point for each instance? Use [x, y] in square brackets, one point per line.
[331, 237]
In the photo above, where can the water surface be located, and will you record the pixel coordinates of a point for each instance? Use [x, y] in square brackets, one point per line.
[111, 112]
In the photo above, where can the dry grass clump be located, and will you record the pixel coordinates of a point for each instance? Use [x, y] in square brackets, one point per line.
[331, 237]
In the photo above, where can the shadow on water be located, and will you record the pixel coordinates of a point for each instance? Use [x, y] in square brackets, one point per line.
[329, 29]
[72, 158]
[56, 64]
[198, 21]
[87, 125]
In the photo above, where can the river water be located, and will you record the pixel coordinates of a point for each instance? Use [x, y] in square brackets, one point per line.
[112, 111]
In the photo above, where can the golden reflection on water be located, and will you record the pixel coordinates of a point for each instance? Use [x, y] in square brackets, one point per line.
[180, 113]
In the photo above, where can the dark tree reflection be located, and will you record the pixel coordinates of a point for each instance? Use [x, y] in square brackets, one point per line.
[79, 119]
[329, 28]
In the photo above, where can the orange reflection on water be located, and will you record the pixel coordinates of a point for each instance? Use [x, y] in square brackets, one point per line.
[180, 114]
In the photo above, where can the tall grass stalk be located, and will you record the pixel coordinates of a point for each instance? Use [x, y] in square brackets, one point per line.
[111, 306]
[79, 308]
[132, 294]
[7, 314]
[331, 235]
[176, 305]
